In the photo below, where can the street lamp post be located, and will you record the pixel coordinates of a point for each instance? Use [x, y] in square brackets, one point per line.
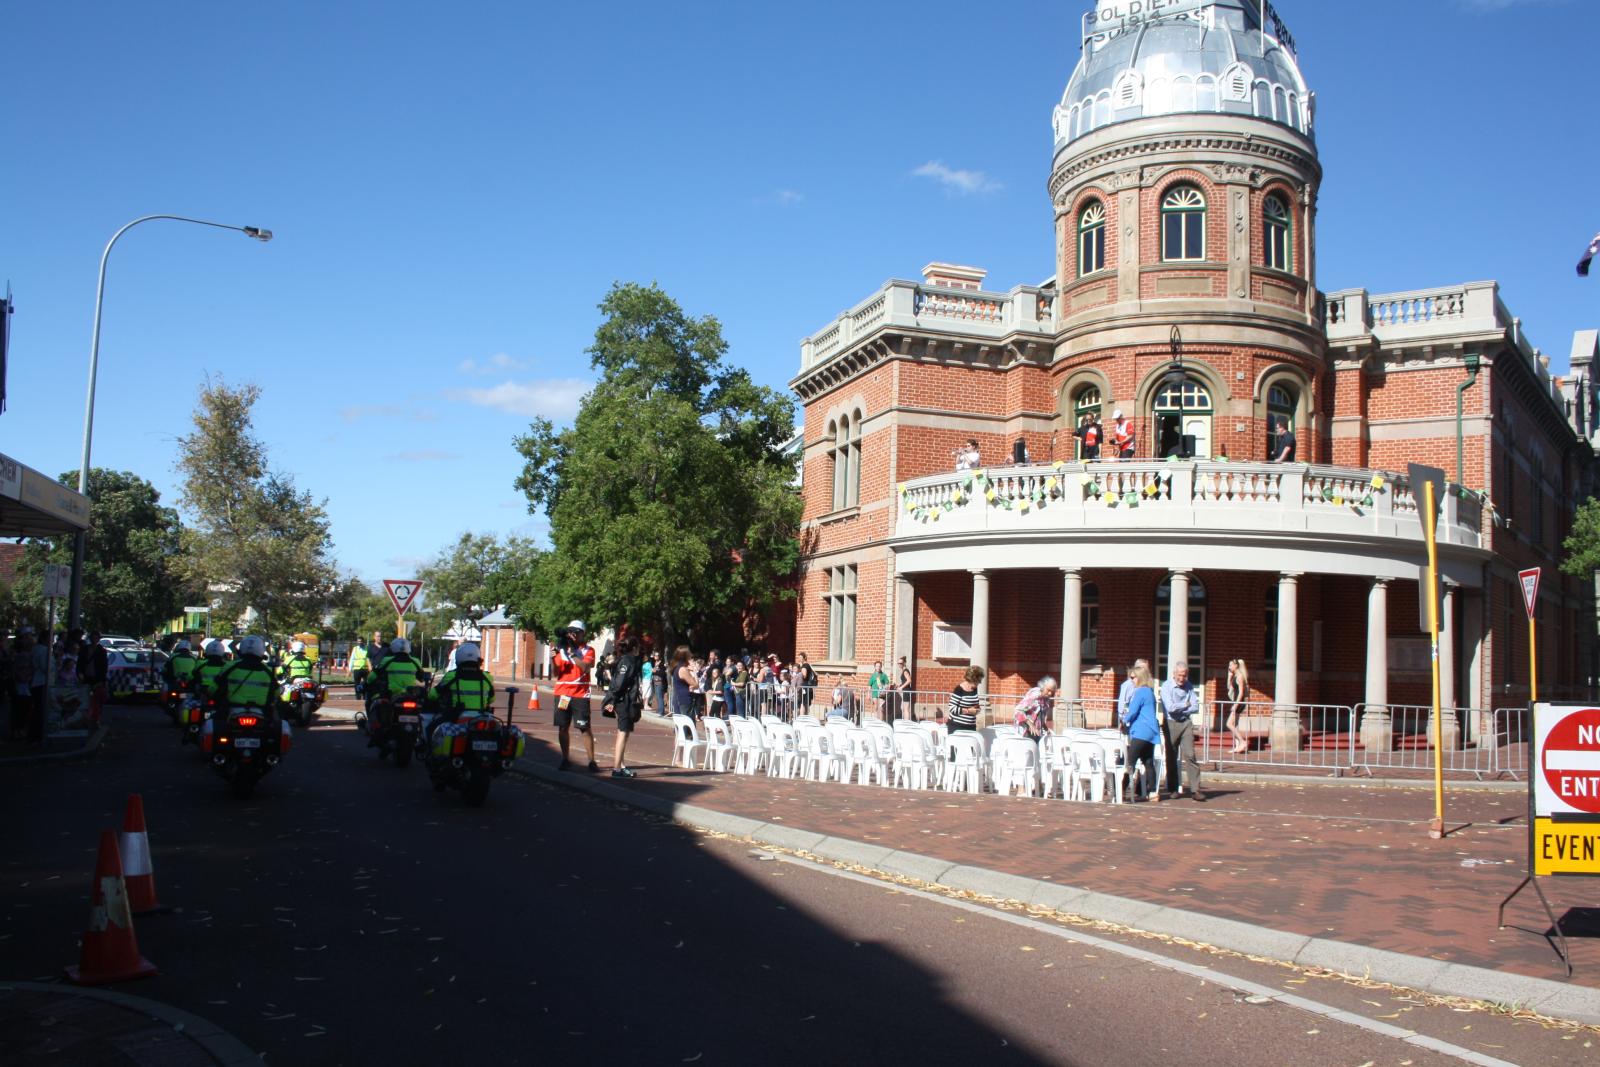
[1176, 379]
[75, 603]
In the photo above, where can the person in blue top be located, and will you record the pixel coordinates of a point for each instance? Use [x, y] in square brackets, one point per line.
[1144, 731]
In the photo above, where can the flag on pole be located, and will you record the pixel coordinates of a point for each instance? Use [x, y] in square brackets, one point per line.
[1588, 256]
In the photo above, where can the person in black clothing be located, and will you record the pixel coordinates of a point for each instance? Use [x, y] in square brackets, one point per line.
[1283, 446]
[808, 682]
[622, 701]
[1090, 433]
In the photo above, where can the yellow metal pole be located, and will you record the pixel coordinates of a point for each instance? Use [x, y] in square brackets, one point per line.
[1436, 830]
[1533, 660]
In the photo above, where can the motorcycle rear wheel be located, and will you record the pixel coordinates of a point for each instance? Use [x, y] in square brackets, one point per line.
[476, 790]
[244, 782]
[402, 752]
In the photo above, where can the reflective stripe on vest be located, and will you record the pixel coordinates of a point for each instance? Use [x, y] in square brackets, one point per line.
[399, 674]
[470, 694]
[298, 667]
[183, 667]
[207, 673]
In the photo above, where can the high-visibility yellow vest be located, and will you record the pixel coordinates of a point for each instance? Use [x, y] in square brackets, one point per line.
[468, 694]
[358, 658]
[183, 666]
[297, 667]
[206, 672]
[242, 685]
[399, 673]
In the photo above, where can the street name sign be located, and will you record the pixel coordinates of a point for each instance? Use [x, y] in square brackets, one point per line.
[402, 592]
[1564, 784]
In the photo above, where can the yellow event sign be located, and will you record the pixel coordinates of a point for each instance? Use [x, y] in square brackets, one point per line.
[1565, 847]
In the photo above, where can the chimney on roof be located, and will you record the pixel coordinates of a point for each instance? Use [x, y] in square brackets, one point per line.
[954, 276]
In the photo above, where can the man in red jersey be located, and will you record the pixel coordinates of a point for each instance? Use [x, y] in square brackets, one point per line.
[572, 661]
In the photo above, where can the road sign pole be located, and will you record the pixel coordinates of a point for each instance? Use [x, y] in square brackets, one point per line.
[1436, 829]
[1533, 660]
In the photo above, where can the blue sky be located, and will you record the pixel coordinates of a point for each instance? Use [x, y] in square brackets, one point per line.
[454, 188]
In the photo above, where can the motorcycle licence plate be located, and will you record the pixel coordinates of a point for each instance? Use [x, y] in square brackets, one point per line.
[247, 742]
[409, 720]
[484, 746]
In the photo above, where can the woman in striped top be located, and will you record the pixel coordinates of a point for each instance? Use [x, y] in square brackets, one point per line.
[962, 712]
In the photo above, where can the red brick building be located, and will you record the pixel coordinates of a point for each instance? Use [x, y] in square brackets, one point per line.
[1184, 182]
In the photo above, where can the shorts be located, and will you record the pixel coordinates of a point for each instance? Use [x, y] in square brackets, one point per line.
[627, 718]
[576, 713]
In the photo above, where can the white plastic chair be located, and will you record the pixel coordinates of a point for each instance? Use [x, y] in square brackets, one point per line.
[783, 754]
[1088, 766]
[750, 747]
[1016, 765]
[719, 745]
[864, 758]
[1055, 764]
[839, 743]
[1115, 748]
[686, 742]
[963, 768]
[883, 741]
[914, 762]
[818, 759]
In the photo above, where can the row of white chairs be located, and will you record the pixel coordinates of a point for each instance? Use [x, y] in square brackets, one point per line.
[1077, 763]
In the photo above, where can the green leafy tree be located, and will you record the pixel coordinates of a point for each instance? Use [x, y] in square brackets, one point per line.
[457, 584]
[1583, 543]
[131, 583]
[359, 610]
[257, 541]
[669, 498]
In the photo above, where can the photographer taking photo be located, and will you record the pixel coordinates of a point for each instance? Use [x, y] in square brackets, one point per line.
[572, 662]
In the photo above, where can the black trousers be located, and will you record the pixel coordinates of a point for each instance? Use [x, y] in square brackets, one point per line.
[1142, 752]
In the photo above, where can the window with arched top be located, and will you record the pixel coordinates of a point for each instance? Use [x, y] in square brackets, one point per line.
[1188, 395]
[1085, 403]
[1277, 229]
[845, 454]
[1092, 238]
[1183, 224]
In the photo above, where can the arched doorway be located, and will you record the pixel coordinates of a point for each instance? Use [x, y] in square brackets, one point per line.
[1183, 410]
[1282, 403]
[1086, 401]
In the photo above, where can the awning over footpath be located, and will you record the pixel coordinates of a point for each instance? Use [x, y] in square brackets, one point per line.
[32, 505]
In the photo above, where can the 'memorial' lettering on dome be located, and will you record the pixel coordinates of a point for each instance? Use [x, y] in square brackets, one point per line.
[1111, 19]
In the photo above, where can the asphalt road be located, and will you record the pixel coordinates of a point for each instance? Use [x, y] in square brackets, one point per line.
[348, 914]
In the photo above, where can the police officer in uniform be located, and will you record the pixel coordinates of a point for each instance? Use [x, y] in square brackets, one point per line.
[179, 670]
[247, 682]
[467, 690]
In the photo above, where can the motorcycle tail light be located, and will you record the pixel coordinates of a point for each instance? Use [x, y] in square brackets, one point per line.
[458, 745]
[409, 705]
[248, 720]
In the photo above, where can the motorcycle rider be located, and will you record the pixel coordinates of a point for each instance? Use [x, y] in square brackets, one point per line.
[360, 664]
[396, 673]
[466, 690]
[206, 671]
[296, 667]
[572, 662]
[178, 671]
[247, 682]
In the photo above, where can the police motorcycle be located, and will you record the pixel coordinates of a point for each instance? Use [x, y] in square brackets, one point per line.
[303, 696]
[244, 743]
[471, 752]
[394, 723]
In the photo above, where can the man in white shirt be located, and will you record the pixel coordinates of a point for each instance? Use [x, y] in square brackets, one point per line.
[1180, 705]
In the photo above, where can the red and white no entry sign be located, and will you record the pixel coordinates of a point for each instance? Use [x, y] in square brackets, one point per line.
[1569, 762]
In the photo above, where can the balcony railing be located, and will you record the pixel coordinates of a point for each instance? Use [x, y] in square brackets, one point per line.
[907, 305]
[1198, 494]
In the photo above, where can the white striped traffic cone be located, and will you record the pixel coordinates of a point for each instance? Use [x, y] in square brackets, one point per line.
[137, 870]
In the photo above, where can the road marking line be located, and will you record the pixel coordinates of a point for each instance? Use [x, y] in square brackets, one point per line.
[1193, 970]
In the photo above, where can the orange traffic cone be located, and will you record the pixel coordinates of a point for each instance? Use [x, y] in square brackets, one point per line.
[533, 697]
[137, 871]
[109, 953]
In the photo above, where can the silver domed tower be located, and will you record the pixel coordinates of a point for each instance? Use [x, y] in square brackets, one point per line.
[1184, 180]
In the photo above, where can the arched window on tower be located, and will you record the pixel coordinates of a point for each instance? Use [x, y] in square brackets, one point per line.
[1183, 224]
[1183, 412]
[1282, 403]
[1278, 231]
[1092, 239]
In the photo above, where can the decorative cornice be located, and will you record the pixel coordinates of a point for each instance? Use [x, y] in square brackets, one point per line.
[1293, 160]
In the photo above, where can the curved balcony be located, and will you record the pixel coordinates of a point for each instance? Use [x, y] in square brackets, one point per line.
[1284, 517]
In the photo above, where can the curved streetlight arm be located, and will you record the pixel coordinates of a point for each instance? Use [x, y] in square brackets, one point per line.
[75, 603]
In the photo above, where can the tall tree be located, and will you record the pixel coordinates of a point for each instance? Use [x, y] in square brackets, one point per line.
[359, 610]
[1583, 543]
[456, 585]
[130, 583]
[669, 498]
[257, 541]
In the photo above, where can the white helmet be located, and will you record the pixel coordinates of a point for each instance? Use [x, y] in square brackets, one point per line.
[400, 647]
[577, 624]
[252, 646]
[468, 653]
[214, 648]
[297, 646]
[181, 646]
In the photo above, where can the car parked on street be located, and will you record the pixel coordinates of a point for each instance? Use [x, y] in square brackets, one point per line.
[132, 674]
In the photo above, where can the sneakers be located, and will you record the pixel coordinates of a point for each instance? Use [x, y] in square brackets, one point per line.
[623, 772]
[565, 764]
[593, 768]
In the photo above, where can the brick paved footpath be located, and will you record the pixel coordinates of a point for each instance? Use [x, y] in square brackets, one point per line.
[1342, 861]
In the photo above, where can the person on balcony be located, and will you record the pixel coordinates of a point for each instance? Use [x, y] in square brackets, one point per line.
[1283, 444]
[1019, 453]
[967, 456]
[1122, 440]
[1089, 432]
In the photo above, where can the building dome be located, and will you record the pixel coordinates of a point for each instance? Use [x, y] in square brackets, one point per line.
[1189, 57]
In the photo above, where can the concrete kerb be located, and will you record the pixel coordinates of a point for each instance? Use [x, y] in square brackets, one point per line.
[90, 745]
[221, 1045]
[1543, 995]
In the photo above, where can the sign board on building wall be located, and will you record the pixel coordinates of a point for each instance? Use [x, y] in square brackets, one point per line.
[1110, 19]
[952, 642]
[1564, 786]
[57, 579]
[10, 477]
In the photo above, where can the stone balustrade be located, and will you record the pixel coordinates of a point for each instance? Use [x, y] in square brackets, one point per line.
[909, 305]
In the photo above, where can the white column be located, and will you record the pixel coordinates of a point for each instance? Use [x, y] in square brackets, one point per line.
[1285, 734]
[1377, 731]
[1447, 665]
[1178, 625]
[980, 624]
[905, 610]
[1472, 630]
[1072, 636]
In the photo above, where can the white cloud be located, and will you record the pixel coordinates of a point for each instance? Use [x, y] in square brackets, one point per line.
[960, 182]
[499, 363]
[556, 399]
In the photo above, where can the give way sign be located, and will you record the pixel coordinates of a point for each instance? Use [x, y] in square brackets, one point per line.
[402, 592]
[1530, 588]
